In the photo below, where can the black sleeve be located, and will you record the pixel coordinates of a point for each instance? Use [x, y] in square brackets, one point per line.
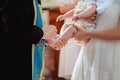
[39, 1]
[2, 25]
[33, 35]
[19, 19]
[37, 34]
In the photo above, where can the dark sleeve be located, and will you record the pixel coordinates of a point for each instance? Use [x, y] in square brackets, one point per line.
[37, 34]
[33, 35]
[19, 19]
[39, 1]
[2, 25]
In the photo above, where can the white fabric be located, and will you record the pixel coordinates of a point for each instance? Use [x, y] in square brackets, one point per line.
[69, 53]
[102, 5]
[82, 4]
[65, 2]
[100, 59]
[86, 25]
[67, 57]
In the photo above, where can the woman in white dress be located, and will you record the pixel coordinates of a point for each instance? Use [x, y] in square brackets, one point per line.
[99, 59]
[67, 58]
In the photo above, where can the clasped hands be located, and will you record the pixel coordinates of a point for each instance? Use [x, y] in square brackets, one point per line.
[79, 36]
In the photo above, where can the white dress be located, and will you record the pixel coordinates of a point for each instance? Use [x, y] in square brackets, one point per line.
[100, 59]
[69, 53]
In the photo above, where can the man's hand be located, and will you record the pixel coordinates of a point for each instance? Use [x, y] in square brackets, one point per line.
[49, 31]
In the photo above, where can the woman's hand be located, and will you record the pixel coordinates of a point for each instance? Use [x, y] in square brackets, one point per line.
[81, 34]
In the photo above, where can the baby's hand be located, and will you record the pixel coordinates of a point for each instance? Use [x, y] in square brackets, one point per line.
[60, 18]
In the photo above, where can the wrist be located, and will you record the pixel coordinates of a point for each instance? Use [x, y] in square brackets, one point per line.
[64, 16]
[89, 34]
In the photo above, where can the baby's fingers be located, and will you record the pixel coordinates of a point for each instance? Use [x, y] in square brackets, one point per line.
[57, 19]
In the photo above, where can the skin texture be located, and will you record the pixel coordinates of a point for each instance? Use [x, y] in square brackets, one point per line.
[111, 34]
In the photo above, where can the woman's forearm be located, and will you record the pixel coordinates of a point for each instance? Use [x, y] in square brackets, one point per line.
[112, 34]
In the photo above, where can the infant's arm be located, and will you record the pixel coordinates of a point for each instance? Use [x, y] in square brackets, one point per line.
[87, 13]
[91, 9]
[69, 14]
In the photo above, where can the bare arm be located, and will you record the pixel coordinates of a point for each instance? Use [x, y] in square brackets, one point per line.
[69, 14]
[91, 9]
[87, 13]
[111, 34]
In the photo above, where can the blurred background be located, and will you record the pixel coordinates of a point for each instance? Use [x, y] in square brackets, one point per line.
[58, 64]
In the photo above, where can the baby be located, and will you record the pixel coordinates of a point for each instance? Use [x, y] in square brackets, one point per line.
[82, 15]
